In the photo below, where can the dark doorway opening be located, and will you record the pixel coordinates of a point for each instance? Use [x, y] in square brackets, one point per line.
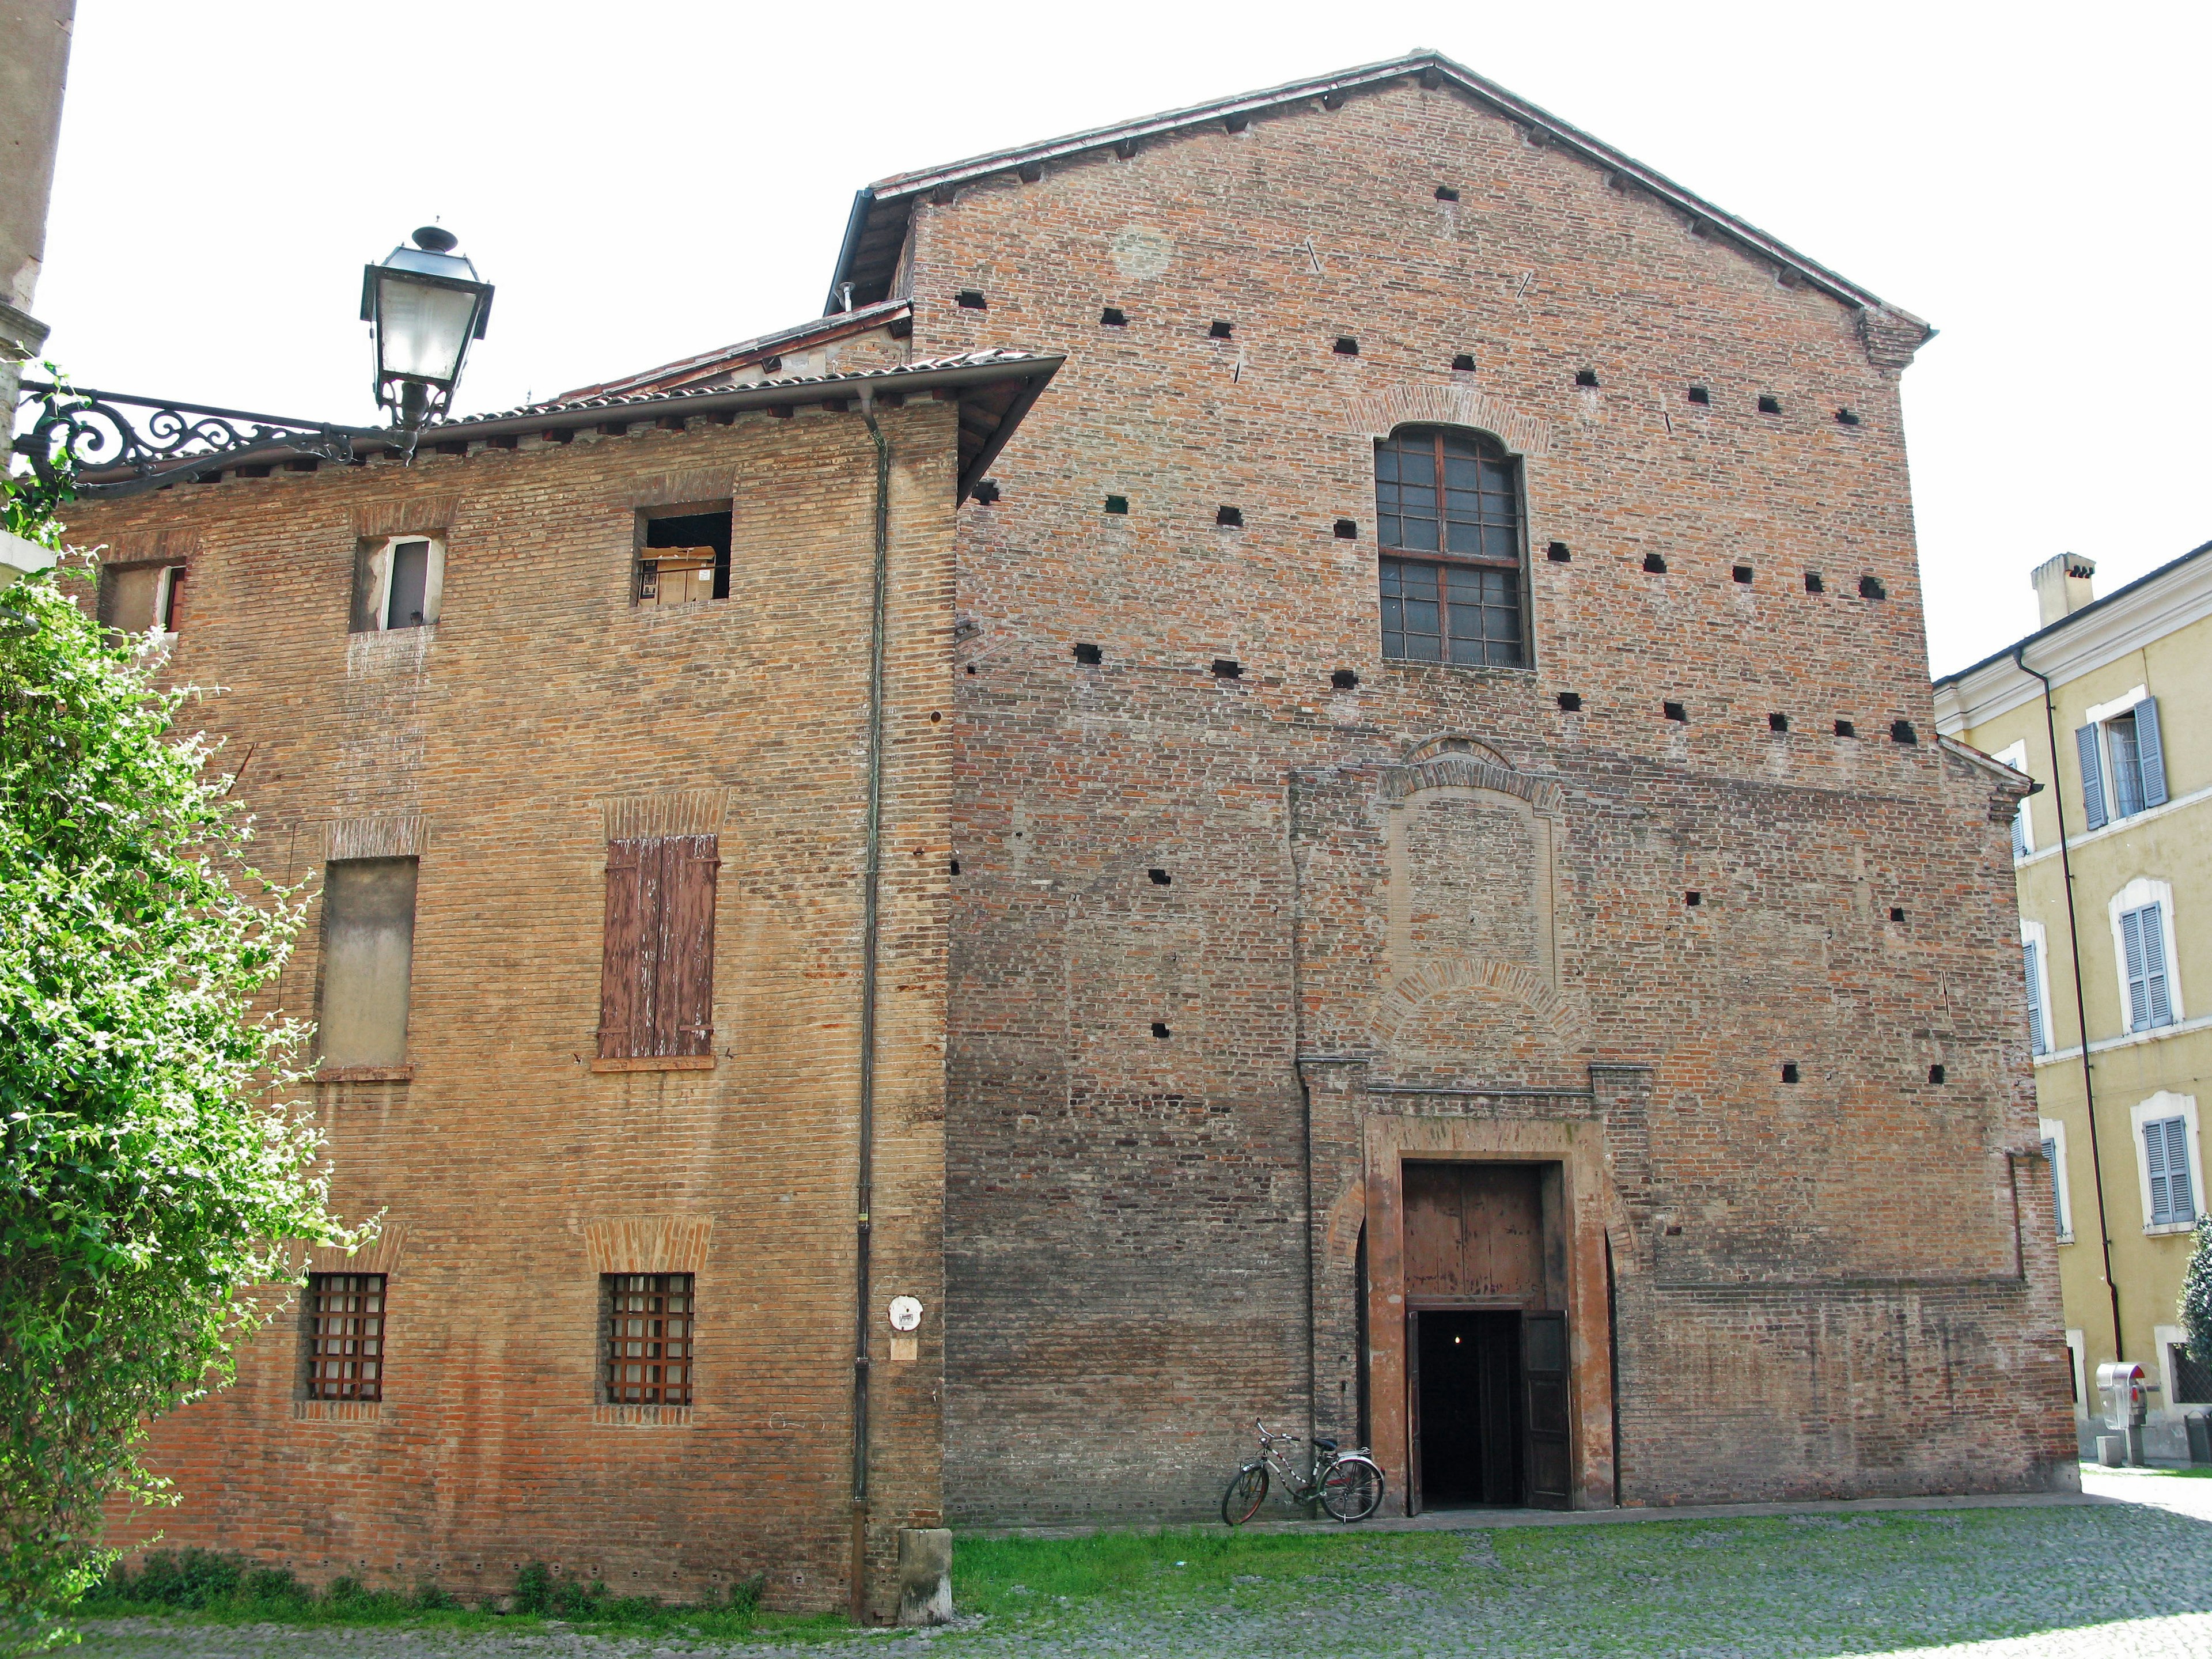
[1470, 1407]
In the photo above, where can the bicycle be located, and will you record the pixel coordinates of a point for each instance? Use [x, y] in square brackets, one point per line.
[1349, 1483]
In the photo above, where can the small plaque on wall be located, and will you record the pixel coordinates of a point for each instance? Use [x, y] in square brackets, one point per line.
[905, 1349]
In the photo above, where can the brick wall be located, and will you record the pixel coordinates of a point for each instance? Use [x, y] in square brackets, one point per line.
[498, 745]
[1820, 1288]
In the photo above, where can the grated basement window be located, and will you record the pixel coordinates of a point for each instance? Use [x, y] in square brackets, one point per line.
[648, 1339]
[345, 1332]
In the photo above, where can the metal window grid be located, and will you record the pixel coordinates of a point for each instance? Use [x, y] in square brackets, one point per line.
[345, 1336]
[1454, 498]
[648, 1339]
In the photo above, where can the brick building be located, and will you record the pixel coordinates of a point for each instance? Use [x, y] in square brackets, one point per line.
[1459, 930]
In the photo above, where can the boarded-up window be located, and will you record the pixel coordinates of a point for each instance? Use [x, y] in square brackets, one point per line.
[648, 1339]
[134, 598]
[657, 977]
[368, 949]
[345, 1336]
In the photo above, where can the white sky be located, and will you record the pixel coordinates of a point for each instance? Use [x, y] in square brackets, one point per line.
[648, 181]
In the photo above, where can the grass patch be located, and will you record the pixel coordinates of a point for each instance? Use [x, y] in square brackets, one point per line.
[208, 1586]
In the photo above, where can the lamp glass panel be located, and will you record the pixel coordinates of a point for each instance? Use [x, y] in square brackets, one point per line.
[422, 331]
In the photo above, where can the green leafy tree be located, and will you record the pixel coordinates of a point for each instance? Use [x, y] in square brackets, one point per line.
[2196, 1294]
[152, 1169]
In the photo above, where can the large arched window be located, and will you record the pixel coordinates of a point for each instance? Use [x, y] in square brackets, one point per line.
[1448, 507]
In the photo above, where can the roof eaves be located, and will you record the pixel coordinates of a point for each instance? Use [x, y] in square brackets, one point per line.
[1424, 64]
[2053, 629]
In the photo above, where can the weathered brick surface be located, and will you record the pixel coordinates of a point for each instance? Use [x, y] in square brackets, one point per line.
[1821, 1287]
[509, 1174]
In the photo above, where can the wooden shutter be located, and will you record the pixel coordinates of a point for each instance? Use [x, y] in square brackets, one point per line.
[2150, 752]
[1544, 1411]
[2086, 744]
[684, 1005]
[621, 966]
[657, 973]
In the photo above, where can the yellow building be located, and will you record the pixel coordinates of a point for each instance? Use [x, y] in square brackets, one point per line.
[2118, 691]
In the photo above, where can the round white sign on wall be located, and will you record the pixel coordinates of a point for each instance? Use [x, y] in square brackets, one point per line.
[906, 1313]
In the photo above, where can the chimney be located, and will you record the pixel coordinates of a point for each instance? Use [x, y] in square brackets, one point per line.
[2062, 586]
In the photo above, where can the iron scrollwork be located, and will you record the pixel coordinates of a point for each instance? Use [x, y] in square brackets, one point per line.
[84, 440]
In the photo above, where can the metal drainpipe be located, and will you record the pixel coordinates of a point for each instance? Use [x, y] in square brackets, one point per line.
[871, 881]
[1305, 1106]
[2081, 1003]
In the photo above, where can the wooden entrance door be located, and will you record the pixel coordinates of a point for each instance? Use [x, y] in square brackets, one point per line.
[1544, 1410]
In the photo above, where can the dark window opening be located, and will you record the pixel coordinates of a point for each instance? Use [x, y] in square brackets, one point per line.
[1742, 572]
[1226, 669]
[1586, 377]
[1700, 395]
[1347, 346]
[1845, 729]
[1812, 582]
[1446, 193]
[1456, 496]
[1654, 564]
[1345, 530]
[1160, 877]
[1117, 504]
[1089, 655]
[1463, 363]
[1229, 518]
[343, 1328]
[1902, 731]
[1220, 330]
[1557, 554]
[969, 299]
[1778, 722]
[1769, 405]
[986, 492]
[685, 557]
[1571, 701]
[1113, 317]
[1870, 588]
[1675, 711]
[1344, 679]
[1790, 1072]
[648, 1339]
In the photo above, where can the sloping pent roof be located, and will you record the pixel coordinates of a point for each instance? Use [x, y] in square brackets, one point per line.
[877, 229]
[669, 377]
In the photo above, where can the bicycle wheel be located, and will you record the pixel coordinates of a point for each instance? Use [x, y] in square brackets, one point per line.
[1352, 1489]
[1245, 1494]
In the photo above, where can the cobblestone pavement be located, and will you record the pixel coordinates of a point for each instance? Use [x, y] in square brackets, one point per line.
[2066, 1582]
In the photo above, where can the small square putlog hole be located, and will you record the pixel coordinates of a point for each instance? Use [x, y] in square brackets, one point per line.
[1934, 1073]
[1789, 1070]
[1344, 679]
[1902, 731]
[1693, 898]
[971, 299]
[1226, 668]
[1345, 346]
[1344, 530]
[1656, 565]
[1229, 518]
[1117, 505]
[1697, 394]
[1897, 913]
[1113, 317]
[1769, 405]
[1778, 722]
[1446, 193]
[1812, 582]
[986, 492]
[1160, 1029]
[1463, 363]
[1845, 729]
[1742, 572]
[1675, 711]
[1557, 554]
[1570, 702]
[1160, 877]
[1586, 377]
[1089, 655]
[1218, 330]
[1870, 588]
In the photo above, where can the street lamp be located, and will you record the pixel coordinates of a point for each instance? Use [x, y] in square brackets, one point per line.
[426, 303]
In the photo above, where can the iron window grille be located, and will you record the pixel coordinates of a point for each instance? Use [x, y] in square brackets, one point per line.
[345, 1336]
[2192, 1378]
[648, 1339]
[1448, 507]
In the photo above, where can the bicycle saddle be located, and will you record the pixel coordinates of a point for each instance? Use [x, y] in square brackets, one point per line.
[1324, 1445]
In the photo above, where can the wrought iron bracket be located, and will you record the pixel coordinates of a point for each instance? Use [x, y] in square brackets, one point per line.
[87, 438]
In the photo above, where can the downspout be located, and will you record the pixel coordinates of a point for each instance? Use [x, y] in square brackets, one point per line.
[871, 881]
[2081, 1003]
[1305, 1104]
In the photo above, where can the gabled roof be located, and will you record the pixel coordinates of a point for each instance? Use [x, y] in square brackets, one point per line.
[877, 229]
[686, 371]
[994, 389]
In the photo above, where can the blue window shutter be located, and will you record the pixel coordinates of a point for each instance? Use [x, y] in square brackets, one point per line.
[2131, 951]
[2151, 747]
[2058, 1198]
[2151, 919]
[2019, 832]
[2039, 1040]
[2161, 1189]
[2092, 775]
[2177, 1169]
